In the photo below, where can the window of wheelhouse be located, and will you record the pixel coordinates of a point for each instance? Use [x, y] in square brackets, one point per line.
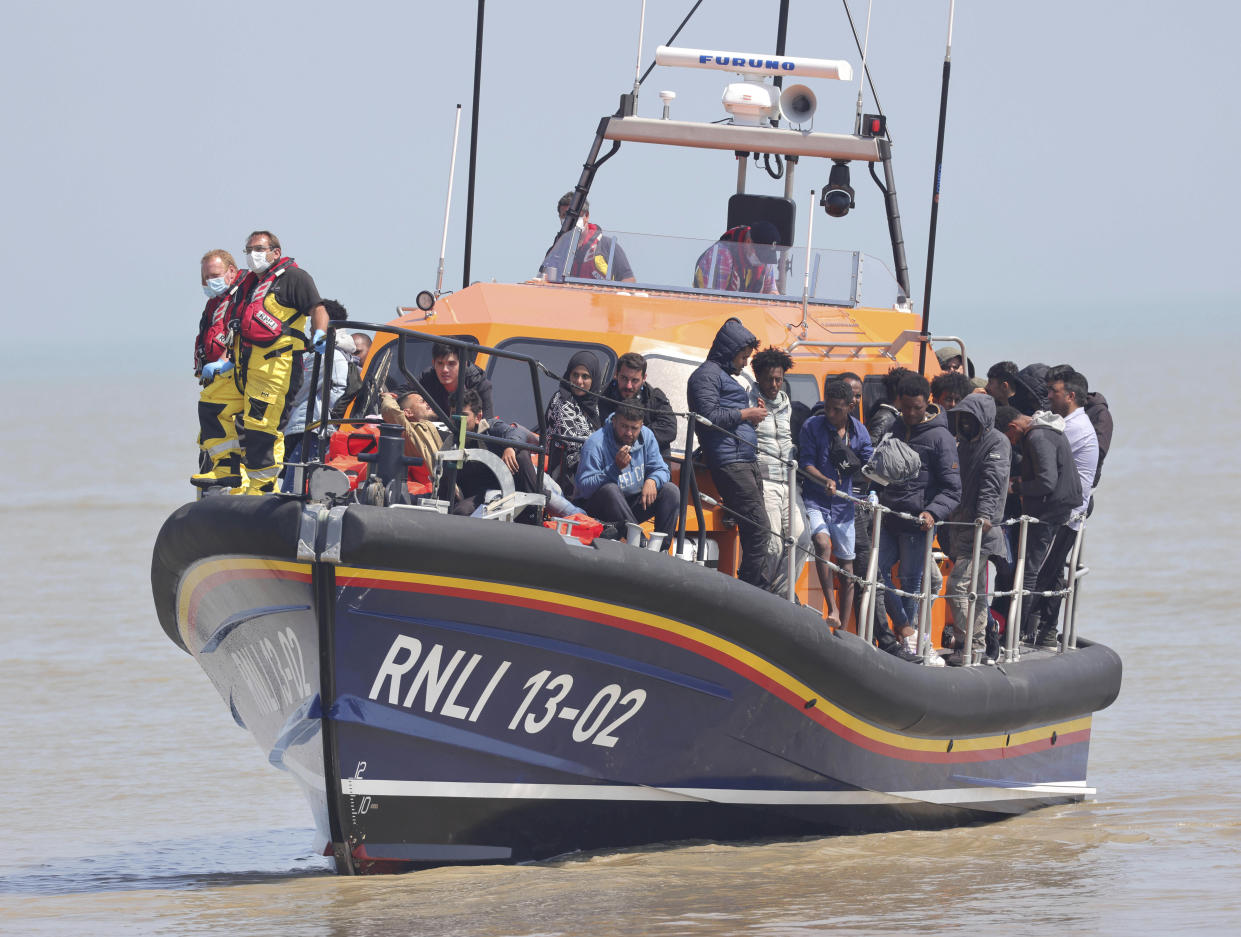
[510, 380]
[671, 375]
[802, 388]
[873, 393]
[384, 372]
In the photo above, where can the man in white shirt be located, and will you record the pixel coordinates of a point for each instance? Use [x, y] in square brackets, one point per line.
[1066, 395]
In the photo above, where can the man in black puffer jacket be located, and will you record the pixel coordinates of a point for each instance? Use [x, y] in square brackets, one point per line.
[715, 394]
[931, 496]
[879, 422]
[630, 386]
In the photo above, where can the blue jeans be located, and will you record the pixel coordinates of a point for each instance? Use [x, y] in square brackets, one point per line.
[908, 549]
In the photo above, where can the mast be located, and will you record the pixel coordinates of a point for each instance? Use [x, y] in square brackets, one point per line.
[782, 29]
[469, 200]
[939, 169]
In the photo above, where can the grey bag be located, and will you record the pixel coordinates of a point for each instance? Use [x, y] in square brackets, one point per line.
[892, 462]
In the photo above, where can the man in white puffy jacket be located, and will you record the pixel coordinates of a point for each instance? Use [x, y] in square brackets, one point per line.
[775, 451]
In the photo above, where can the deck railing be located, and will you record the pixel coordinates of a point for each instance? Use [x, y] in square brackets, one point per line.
[870, 583]
[455, 421]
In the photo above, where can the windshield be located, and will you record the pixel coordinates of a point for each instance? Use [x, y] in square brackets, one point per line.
[838, 278]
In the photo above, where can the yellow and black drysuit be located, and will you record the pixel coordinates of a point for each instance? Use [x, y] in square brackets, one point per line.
[220, 401]
[270, 339]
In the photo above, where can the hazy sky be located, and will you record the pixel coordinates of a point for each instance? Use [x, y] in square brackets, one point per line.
[1089, 171]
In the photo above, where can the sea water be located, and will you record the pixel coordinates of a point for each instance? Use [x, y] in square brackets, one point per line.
[134, 804]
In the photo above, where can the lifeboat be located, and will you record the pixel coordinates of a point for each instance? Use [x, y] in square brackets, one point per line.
[476, 689]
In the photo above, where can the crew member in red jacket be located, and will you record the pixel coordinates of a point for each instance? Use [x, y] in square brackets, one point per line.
[220, 400]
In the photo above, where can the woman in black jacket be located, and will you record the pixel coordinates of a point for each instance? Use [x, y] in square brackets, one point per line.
[573, 412]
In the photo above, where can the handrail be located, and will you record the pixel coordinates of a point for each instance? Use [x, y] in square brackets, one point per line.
[869, 583]
[403, 337]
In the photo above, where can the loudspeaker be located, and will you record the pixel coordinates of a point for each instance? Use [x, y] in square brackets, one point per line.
[798, 104]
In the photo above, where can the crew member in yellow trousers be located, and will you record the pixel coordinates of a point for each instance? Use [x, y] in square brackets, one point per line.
[271, 337]
[220, 400]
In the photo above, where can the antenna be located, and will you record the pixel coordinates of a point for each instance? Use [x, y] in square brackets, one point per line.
[452, 168]
[861, 78]
[939, 175]
[637, 65]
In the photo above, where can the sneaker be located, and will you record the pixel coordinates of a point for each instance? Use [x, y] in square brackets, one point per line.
[1047, 639]
[930, 656]
[957, 658]
[897, 650]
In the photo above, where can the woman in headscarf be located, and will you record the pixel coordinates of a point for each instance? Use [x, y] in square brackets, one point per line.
[574, 412]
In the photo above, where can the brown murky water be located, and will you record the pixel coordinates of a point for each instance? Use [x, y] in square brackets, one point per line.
[135, 805]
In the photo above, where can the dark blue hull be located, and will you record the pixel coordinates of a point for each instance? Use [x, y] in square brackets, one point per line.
[497, 694]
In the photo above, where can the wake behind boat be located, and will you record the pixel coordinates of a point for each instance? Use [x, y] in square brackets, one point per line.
[457, 689]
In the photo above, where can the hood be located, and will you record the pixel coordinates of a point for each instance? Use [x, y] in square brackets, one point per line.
[779, 402]
[344, 341]
[934, 417]
[1096, 399]
[1034, 378]
[590, 361]
[730, 339]
[1048, 419]
[980, 406]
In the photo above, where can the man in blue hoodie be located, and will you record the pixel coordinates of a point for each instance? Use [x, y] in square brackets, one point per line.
[930, 496]
[823, 456]
[622, 476]
[715, 393]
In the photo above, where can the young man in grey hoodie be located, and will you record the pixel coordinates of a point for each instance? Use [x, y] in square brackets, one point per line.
[984, 455]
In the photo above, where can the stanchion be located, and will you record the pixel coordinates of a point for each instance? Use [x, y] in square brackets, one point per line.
[972, 606]
[1012, 636]
[790, 548]
[1068, 628]
[866, 612]
[924, 603]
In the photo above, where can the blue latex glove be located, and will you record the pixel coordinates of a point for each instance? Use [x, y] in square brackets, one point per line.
[223, 366]
[319, 342]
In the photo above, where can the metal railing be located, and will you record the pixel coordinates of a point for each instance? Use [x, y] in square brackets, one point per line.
[455, 421]
[869, 584]
[872, 582]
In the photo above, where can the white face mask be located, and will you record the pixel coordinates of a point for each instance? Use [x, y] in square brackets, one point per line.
[257, 261]
[215, 286]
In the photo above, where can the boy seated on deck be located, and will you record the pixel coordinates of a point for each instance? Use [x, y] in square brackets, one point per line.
[474, 480]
